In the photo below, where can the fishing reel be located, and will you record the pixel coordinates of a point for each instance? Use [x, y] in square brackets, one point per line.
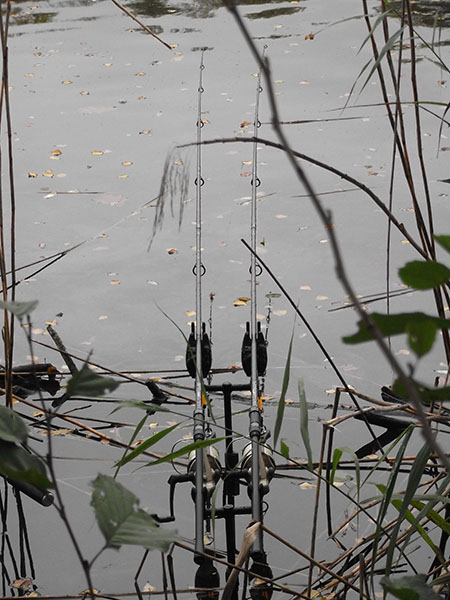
[212, 469]
[266, 465]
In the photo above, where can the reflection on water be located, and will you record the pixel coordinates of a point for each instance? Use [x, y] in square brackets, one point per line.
[201, 9]
[427, 13]
[274, 12]
[196, 9]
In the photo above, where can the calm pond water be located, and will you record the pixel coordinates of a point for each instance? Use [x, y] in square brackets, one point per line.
[97, 106]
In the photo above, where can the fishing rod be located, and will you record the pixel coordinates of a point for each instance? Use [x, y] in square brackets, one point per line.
[257, 457]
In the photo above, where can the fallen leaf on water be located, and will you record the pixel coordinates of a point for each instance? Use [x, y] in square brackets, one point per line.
[102, 235]
[445, 148]
[61, 431]
[239, 303]
[97, 152]
[127, 163]
[140, 74]
[247, 162]
[245, 123]
[307, 486]
[172, 251]
[29, 74]
[403, 352]
[107, 65]
[56, 152]
[280, 313]
[281, 216]
[66, 82]
[103, 317]
[322, 298]
[84, 93]
[304, 82]
[246, 174]
[148, 588]
[173, 45]
[305, 288]
[22, 584]
[32, 174]
[309, 36]
[114, 282]
[178, 162]
[171, 423]
[145, 132]
[188, 436]
[123, 176]
[48, 173]
[152, 425]
[38, 413]
[190, 313]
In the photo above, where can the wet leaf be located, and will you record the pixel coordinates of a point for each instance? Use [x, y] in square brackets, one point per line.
[17, 463]
[19, 309]
[127, 163]
[22, 584]
[245, 124]
[12, 427]
[140, 74]
[122, 522]
[309, 36]
[172, 251]
[56, 152]
[48, 173]
[66, 82]
[390, 325]
[409, 587]
[424, 275]
[88, 383]
[421, 336]
[444, 241]
[190, 313]
[97, 153]
[145, 132]
[284, 449]
[123, 176]
[32, 174]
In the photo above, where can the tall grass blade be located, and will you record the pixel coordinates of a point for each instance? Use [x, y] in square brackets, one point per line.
[186, 450]
[413, 482]
[388, 497]
[151, 441]
[138, 428]
[281, 402]
[304, 422]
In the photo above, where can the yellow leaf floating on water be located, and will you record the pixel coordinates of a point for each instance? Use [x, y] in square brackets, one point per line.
[56, 152]
[127, 163]
[114, 282]
[29, 74]
[140, 74]
[66, 82]
[190, 313]
[32, 174]
[242, 301]
[48, 173]
[123, 176]
[84, 93]
[97, 152]
[152, 425]
[280, 313]
[322, 298]
[103, 317]
[307, 486]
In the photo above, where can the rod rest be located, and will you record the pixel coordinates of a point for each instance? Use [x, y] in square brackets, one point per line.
[173, 480]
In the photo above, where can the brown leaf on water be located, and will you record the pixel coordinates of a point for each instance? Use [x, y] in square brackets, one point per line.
[32, 174]
[245, 174]
[309, 36]
[145, 132]
[114, 282]
[245, 123]
[22, 584]
[56, 152]
[172, 251]
[140, 74]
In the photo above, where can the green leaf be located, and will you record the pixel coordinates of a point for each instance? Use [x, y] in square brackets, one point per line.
[12, 427]
[185, 450]
[19, 309]
[121, 521]
[335, 463]
[88, 383]
[281, 402]
[18, 464]
[409, 587]
[284, 449]
[424, 275]
[427, 394]
[304, 421]
[390, 325]
[421, 336]
[146, 444]
[444, 241]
